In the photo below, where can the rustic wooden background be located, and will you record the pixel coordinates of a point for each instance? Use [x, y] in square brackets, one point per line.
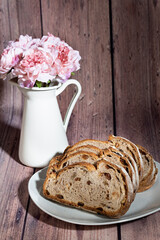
[119, 42]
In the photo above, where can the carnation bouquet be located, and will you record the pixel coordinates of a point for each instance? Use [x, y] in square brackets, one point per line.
[39, 62]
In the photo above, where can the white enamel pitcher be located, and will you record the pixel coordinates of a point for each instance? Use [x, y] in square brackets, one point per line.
[43, 133]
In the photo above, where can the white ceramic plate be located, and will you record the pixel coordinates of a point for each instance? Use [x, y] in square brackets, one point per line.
[144, 204]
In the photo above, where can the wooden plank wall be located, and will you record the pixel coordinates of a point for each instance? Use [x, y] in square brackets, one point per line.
[137, 87]
[119, 42]
[16, 17]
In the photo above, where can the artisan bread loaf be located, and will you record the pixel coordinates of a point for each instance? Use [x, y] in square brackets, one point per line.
[92, 158]
[100, 176]
[102, 188]
[83, 154]
[104, 145]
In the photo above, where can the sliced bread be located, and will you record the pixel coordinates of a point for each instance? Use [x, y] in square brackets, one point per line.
[132, 163]
[85, 148]
[96, 143]
[112, 156]
[103, 145]
[76, 157]
[148, 172]
[92, 158]
[103, 188]
[100, 176]
[130, 149]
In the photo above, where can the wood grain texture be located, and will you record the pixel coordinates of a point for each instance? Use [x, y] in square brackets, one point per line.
[136, 64]
[42, 226]
[136, 81]
[133, 110]
[14, 176]
[82, 27]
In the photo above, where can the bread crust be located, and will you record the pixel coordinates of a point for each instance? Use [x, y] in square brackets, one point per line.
[84, 142]
[151, 181]
[124, 162]
[133, 166]
[86, 148]
[83, 155]
[135, 153]
[147, 177]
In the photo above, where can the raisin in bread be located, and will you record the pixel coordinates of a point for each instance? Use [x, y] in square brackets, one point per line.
[104, 188]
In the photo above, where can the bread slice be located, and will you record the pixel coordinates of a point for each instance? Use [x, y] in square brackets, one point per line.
[96, 143]
[149, 169]
[80, 146]
[77, 157]
[111, 155]
[103, 145]
[129, 161]
[154, 178]
[103, 188]
[130, 149]
[92, 158]
[98, 147]
[85, 148]
[150, 180]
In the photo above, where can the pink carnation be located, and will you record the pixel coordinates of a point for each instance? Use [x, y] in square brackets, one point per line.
[43, 59]
[67, 61]
[25, 42]
[35, 65]
[50, 42]
[9, 58]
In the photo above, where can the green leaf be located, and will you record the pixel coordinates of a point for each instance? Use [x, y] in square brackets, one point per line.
[47, 84]
[72, 73]
[38, 84]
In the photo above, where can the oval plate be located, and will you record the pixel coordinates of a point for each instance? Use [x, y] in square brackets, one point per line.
[145, 203]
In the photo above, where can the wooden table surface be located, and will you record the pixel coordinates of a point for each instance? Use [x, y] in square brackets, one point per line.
[119, 42]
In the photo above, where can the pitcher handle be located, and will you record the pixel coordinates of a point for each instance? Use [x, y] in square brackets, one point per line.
[73, 100]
